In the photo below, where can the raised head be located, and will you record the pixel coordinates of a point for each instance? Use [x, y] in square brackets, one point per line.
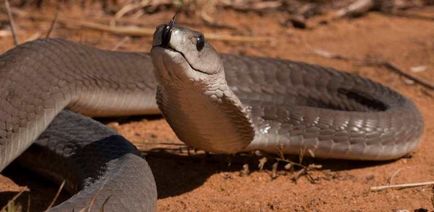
[193, 94]
[186, 52]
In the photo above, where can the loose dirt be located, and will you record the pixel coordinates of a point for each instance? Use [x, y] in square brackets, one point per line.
[201, 182]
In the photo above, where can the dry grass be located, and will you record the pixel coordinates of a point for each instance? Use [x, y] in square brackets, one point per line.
[13, 205]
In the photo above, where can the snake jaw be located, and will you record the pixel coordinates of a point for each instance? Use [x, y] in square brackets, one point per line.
[171, 67]
[178, 60]
[201, 56]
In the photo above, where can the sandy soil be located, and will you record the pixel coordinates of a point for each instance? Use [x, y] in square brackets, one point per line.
[199, 182]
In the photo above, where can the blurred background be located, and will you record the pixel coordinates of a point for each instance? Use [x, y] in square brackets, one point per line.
[388, 41]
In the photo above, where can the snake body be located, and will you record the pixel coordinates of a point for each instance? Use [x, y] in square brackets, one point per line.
[266, 104]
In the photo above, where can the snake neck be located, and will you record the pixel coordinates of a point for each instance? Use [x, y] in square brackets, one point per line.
[208, 117]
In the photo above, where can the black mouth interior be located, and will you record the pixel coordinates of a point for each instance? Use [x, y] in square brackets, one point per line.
[165, 35]
[167, 32]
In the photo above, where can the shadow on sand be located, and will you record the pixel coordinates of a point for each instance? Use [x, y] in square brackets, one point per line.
[174, 174]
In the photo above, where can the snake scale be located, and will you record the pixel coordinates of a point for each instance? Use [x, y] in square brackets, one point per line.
[219, 103]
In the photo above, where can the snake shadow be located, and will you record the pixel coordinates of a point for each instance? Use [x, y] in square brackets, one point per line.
[176, 174]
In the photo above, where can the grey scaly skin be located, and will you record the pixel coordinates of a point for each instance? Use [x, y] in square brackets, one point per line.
[276, 105]
[38, 80]
[217, 103]
[102, 169]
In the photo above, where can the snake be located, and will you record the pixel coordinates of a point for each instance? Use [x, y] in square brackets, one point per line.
[219, 103]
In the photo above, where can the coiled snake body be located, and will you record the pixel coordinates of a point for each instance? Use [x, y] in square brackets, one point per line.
[266, 104]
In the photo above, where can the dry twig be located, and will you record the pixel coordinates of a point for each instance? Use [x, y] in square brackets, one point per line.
[357, 8]
[392, 67]
[245, 171]
[138, 31]
[57, 195]
[401, 186]
[11, 22]
[252, 5]
[390, 180]
[53, 23]
[120, 43]
[34, 36]
[411, 15]
[329, 55]
[13, 199]
[130, 7]
[141, 31]
[274, 170]
[262, 162]
[305, 170]
[388, 65]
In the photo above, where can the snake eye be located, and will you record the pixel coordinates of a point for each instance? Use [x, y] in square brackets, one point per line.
[200, 42]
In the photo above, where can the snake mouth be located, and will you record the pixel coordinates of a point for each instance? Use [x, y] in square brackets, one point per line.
[168, 49]
[166, 33]
[162, 39]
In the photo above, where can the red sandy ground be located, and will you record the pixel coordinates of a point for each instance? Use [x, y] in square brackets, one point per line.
[197, 182]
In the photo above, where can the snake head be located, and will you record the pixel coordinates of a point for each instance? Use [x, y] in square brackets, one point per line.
[193, 93]
[184, 54]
